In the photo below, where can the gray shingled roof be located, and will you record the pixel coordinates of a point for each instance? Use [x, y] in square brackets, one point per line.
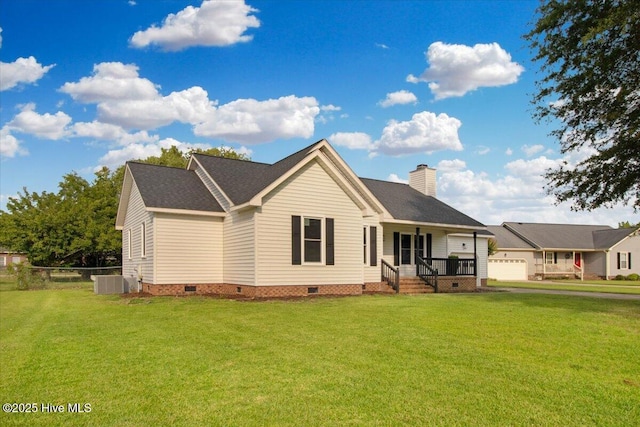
[172, 188]
[506, 239]
[406, 203]
[605, 239]
[243, 179]
[558, 236]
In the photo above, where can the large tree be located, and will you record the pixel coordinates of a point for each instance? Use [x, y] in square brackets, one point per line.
[590, 88]
[76, 226]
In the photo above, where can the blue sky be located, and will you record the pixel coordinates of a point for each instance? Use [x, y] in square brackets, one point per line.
[391, 84]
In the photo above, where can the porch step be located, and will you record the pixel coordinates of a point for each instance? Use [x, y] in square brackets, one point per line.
[414, 285]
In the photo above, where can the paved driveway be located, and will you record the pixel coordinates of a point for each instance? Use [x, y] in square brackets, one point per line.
[576, 293]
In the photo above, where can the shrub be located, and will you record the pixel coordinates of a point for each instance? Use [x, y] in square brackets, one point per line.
[620, 277]
[633, 276]
[25, 277]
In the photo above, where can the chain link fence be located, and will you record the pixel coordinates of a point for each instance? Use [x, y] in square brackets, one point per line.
[34, 277]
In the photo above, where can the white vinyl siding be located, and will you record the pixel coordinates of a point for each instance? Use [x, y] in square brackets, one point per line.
[128, 245]
[188, 249]
[310, 192]
[239, 248]
[137, 214]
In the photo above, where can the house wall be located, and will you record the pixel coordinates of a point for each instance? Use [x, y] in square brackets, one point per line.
[240, 248]
[308, 192]
[593, 263]
[135, 216]
[8, 258]
[188, 249]
[630, 245]
[462, 246]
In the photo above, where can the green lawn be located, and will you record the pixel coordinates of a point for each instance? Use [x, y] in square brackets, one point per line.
[607, 286]
[452, 360]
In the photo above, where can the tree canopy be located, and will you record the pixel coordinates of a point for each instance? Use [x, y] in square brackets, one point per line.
[590, 54]
[76, 225]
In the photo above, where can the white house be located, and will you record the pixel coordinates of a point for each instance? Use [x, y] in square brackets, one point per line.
[304, 225]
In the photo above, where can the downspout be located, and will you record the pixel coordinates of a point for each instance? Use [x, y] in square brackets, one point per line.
[607, 265]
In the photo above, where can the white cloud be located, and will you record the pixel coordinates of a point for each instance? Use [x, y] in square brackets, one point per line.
[395, 178]
[116, 158]
[187, 106]
[0, 36]
[532, 150]
[508, 152]
[382, 46]
[398, 98]
[516, 195]
[214, 23]
[482, 150]
[45, 126]
[126, 100]
[111, 81]
[326, 114]
[457, 69]
[251, 121]
[532, 169]
[426, 132]
[22, 70]
[352, 140]
[109, 132]
[451, 165]
[9, 144]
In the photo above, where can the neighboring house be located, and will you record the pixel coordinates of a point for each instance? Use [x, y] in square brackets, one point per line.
[531, 250]
[8, 257]
[304, 225]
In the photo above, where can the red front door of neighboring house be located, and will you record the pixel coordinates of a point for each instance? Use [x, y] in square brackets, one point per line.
[577, 259]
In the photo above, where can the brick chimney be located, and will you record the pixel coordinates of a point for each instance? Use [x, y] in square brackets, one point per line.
[423, 179]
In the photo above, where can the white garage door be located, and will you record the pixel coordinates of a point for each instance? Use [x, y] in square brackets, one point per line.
[508, 269]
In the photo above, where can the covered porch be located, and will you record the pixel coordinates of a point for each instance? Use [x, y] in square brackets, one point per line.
[444, 259]
[560, 263]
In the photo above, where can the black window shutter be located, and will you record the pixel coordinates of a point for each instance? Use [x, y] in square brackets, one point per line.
[429, 245]
[396, 248]
[330, 243]
[555, 257]
[618, 260]
[296, 252]
[373, 246]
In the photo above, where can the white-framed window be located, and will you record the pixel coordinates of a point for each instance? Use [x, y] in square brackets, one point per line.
[3, 261]
[313, 242]
[550, 258]
[624, 260]
[143, 240]
[129, 243]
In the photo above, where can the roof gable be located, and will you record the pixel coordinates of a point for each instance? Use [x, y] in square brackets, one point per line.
[165, 188]
[241, 180]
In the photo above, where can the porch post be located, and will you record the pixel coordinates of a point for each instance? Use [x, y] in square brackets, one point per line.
[475, 254]
[415, 247]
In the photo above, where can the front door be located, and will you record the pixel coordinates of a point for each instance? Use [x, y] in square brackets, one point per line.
[577, 259]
